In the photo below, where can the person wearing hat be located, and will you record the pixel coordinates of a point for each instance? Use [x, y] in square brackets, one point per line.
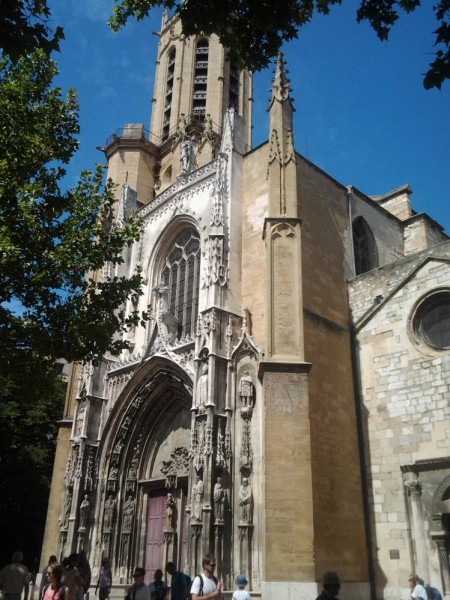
[138, 591]
[241, 593]
[331, 585]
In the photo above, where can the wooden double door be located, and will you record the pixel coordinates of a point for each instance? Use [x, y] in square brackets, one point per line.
[157, 552]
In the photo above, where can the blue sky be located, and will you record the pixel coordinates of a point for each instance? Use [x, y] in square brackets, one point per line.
[362, 113]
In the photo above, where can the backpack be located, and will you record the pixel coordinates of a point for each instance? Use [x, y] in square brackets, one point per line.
[200, 592]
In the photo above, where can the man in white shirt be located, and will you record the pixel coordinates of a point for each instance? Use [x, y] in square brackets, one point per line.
[418, 592]
[205, 586]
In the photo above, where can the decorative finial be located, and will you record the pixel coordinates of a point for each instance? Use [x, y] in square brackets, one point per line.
[280, 86]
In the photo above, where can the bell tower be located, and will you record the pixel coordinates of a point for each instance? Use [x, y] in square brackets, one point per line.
[194, 86]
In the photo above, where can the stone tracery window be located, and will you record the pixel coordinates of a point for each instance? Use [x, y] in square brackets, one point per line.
[364, 247]
[432, 320]
[181, 276]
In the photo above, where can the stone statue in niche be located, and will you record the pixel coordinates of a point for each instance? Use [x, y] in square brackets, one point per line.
[84, 511]
[80, 420]
[108, 518]
[187, 156]
[128, 514]
[245, 498]
[219, 497]
[113, 474]
[201, 393]
[170, 512]
[246, 391]
[66, 511]
[197, 499]
[132, 472]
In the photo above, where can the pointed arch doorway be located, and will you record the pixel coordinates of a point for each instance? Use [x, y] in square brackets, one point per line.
[147, 464]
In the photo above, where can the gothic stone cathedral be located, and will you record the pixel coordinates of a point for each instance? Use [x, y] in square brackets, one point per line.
[287, 408]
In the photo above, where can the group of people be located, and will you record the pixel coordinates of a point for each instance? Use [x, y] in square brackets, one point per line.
[71, 579]
[68, 580]
[182, 587]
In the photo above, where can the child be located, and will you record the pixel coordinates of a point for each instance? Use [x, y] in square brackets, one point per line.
[241, 593]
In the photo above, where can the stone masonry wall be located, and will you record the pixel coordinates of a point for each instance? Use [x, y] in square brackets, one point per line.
[405, 406]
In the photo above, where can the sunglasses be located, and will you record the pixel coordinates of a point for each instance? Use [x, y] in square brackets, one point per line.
[212, 564]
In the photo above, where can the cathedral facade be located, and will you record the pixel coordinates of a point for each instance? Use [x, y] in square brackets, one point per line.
[286, 407]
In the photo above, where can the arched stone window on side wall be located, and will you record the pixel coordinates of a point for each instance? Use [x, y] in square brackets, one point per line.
[364, 247]
[181, 275]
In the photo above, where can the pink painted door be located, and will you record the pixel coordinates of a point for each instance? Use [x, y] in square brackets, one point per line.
[156, 520]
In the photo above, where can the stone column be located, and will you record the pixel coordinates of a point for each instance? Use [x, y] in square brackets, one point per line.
[415, 491]
[443, 563]
[245, 545]
[170, 544]
[218, 542]
[195, 547]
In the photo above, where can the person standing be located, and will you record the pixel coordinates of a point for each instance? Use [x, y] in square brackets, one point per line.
[72, 579]
[44, 575]
[241, 593]
[331, 585]
[15, 579]
[139, 591]
[84, 570]
[54, 590]
[103, 586]
[205, 586]
[180, 584]
[158, 587]
[418, 592]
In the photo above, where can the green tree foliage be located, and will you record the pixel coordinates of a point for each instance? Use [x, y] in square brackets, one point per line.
[31, 402]
[25, 26]
[254, 30]
[51, 240]
[57, 300]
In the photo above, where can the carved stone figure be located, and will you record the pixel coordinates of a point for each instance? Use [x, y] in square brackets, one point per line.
[245, 498]
[84, 511]
[128, 514]
[132, 472]
[110, 507]
[219, 497]
[80, 420]
[113, 474]
[66, 511]
[197, 499]
[187, 158]
[246, 390]
[170, 512]
[201, 393]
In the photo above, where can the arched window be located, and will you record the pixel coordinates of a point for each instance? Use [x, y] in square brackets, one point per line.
[364, 247]
[200, 79]
[181, 276]
[168, 94]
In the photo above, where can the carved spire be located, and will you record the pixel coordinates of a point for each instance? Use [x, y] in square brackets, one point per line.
[281, 169]
[280, 87]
